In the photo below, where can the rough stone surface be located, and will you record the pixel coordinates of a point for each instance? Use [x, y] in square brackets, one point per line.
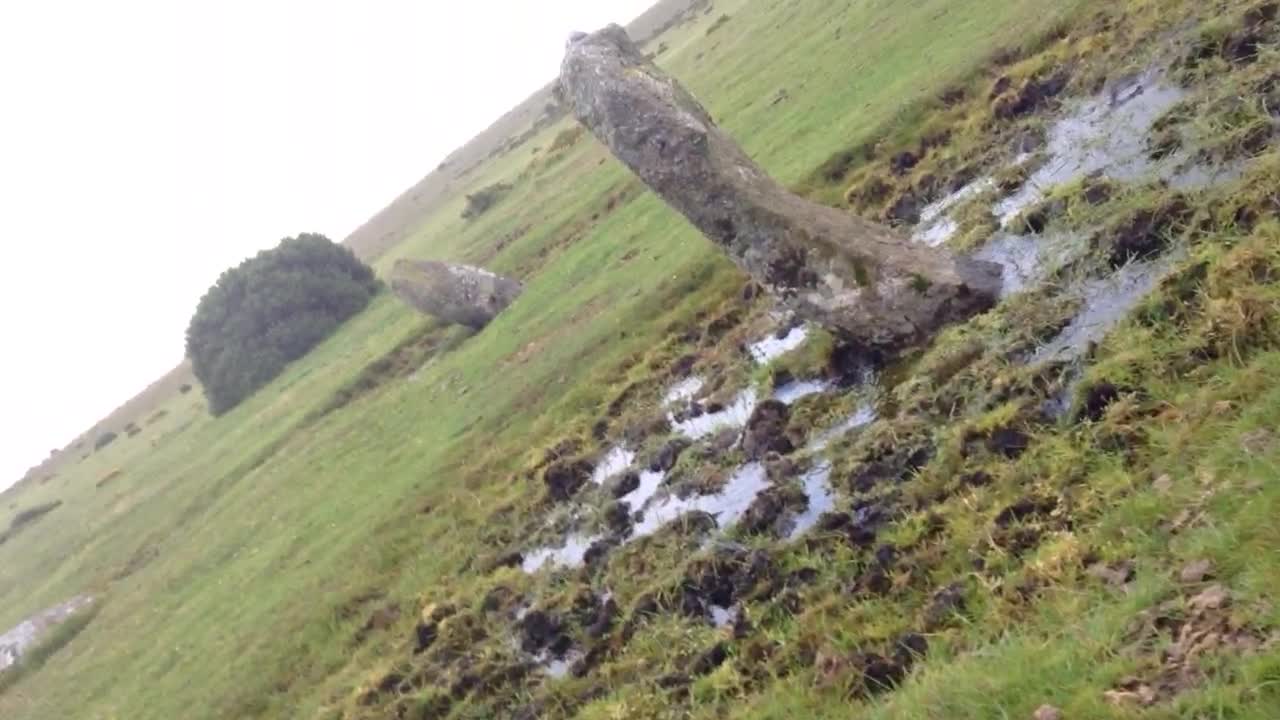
[458, 294]
[858, 277]
[19, 639]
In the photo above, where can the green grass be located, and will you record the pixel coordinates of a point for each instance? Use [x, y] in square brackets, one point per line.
[241, 557]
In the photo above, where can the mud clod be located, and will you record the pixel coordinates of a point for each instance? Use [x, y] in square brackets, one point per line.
[538, 629]
[1025, 509]
[666, 457]
[904, 209]
[1096, 399]
[879, 673]
[945, 603]
[598, 551]
[1034, 94]
[874, 580]
[1146, 233]
[709, 660]
[903, 162]
[625, 484]
[1196, 572]
[766, 430]
[771, 508]
[1008, 442]
[894, 466]
[564, 478]
[424, 635]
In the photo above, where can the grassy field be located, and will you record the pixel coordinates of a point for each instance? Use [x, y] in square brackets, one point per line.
[281, 560]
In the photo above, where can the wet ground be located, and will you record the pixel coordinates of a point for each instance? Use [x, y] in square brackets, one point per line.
[653, 506]
[1104, 136]
[1104, 303]
[919, 481]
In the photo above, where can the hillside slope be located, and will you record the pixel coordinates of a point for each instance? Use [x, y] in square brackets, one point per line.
[1067, 501]
[394, 223]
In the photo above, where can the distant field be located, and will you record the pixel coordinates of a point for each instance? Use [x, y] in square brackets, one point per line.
[281, 561]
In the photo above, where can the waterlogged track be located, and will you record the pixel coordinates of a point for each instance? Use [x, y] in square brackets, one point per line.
[649, 511]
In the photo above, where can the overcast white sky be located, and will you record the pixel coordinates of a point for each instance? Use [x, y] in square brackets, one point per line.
[146, 145]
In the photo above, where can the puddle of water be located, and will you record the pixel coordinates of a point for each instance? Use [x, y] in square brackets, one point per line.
[939, 232]
[650, 481]
[1025, 260]
[735, 415]
[686, 389]
[773, 347]
[1199, 175]
[724, 616]
[571, 554]
[793, 392]
[1106, 302]
[613, 463]
[727, 506]
[864, 415]
[22, 636]
[1058, 405]
[817, 487]
[817, 480]
[1106, 135]
[935, 226]
[557, 668]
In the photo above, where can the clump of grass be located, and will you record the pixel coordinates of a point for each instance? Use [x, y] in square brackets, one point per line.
[719, 23]
[483, 200]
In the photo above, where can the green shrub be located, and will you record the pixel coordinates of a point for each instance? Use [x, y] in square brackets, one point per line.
[271, 310]
[104, 439]
[483, 199]
[31, 514]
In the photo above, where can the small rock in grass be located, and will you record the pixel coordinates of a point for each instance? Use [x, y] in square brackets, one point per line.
[1047, 712]
[1141, 694]
[1196, 572]
[1214, 597]
[1115, 575]
[1162, 484]
[1258, 442]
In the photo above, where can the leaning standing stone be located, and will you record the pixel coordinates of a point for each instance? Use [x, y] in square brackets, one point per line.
[858, 277]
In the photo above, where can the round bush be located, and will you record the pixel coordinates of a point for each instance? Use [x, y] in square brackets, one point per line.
[271, 310]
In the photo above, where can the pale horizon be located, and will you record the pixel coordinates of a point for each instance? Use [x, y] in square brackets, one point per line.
[147, 146]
